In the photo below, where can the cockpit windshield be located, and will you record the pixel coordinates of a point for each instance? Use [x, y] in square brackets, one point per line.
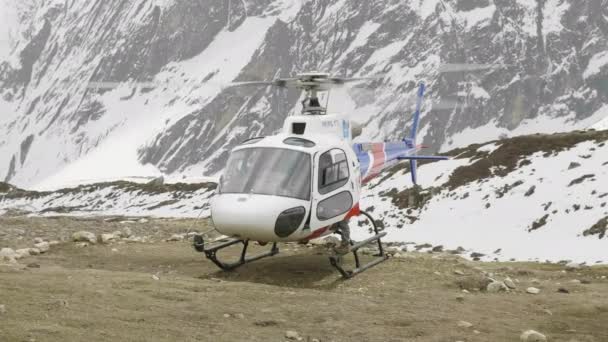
[268, 171]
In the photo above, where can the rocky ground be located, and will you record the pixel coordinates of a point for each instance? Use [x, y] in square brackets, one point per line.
[123, 281]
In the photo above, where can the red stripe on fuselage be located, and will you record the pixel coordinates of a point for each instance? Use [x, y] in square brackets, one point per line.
[355, 211]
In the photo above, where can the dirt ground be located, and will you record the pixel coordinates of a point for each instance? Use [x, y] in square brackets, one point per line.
[165, 291]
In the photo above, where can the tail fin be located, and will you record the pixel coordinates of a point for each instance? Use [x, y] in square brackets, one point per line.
[414, 133]
[417, 112]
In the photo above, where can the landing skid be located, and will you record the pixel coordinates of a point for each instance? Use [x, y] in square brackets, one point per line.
[211, 252]
[337, 260]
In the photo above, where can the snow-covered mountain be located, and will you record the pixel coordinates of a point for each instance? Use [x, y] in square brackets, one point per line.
[538, 197]
[541, 67]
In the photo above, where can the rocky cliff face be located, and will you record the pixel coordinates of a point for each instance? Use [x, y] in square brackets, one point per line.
[494, 68]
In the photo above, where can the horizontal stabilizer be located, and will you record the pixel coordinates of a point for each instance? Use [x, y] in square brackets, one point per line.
[423, 158]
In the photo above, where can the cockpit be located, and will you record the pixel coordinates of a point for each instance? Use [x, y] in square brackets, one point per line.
[268, 171]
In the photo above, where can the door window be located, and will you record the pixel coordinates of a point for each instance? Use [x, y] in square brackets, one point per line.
[333, 171]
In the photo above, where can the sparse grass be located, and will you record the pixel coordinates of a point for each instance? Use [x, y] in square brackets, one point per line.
[508, 155]
[599, 229]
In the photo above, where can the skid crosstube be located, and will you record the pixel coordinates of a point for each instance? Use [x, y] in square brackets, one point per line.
[211, 252]
[336, 260]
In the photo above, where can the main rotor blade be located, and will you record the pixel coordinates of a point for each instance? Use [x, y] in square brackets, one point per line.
[465, 67]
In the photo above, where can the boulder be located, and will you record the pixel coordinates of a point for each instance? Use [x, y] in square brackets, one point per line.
[176, 237]
[107, 238]
[38, 240]
[293, 335]
[43, 247]
[127, 232]
[571, 266]
[532, 336]
[496, 286]
[464, 324]
[509, 283]
[22, 253]
[8, 254]
[532, 290]
[84, 236]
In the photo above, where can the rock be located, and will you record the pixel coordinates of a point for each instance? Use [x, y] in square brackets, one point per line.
[134, 239]
[437, 273]
[464, 324]
[8, 254]
[227, 315]
[2, 309]
[82, 244]
[33, 265]
[460, 298]
[22, 253]
[563, 290]
[575, 281]
[38, 240]
[34, 251]
[458, 272]
[496, 286]
[127, 232]
[107, 238]
[293, 335]
[142, 220]
[43, 247]
[571, 266]
[84, 236]
[330, 240]
[114, 250]
[54, 243]
[532, 336]
[532, 290]
[509, 283]
[155, 277]
[118, 234]
[176, 237]
[239, 316]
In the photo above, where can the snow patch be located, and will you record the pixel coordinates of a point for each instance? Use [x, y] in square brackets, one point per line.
[596, 63]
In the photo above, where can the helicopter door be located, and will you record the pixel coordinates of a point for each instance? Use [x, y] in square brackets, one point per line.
[333, 190]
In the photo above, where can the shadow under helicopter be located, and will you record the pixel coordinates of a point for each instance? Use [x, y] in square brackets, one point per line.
[310, 269]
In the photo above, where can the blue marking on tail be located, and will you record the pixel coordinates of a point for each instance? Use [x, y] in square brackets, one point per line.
[417, 112]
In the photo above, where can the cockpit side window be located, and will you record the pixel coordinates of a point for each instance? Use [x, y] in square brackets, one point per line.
[333, 171]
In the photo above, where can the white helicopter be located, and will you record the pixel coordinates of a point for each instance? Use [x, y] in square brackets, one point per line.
[299, 184]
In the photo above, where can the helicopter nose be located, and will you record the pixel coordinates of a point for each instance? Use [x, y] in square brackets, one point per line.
[258, 217]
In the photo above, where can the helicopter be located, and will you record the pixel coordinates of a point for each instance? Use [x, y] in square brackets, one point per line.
[299, 184]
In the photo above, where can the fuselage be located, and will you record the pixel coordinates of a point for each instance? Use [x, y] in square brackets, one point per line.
[294, 186]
